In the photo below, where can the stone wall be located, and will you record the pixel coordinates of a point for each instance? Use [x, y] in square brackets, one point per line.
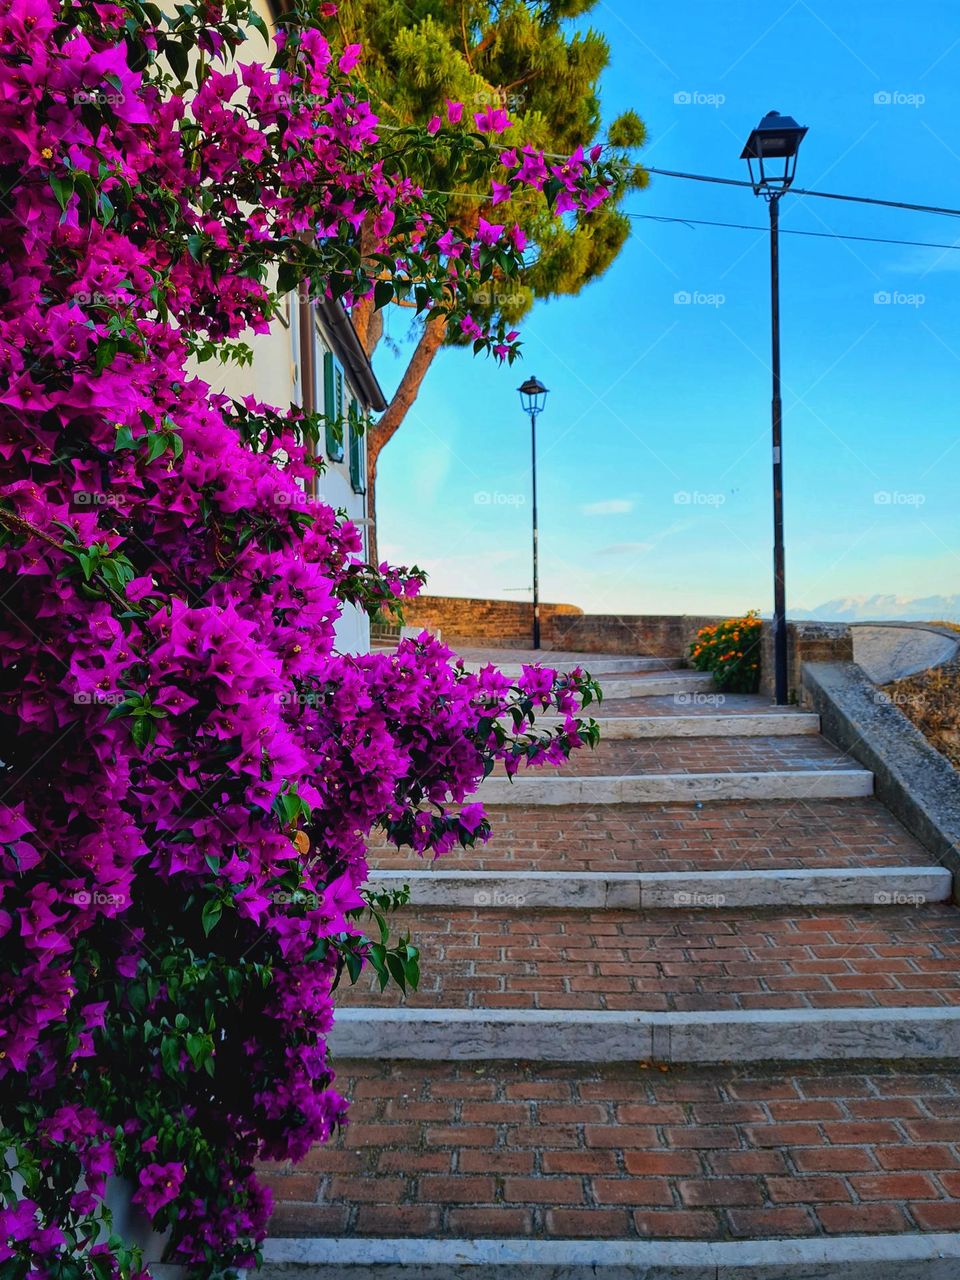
[806, 642]
[507, 624]
[503, 624]
[659, 636]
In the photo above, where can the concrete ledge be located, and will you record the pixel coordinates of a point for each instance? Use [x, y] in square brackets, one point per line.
[894, 1257]
[916, 783]
[654, 686]
[667, 890]
[889, 651]
[573, 1035]
[660, 788]
[760, 724]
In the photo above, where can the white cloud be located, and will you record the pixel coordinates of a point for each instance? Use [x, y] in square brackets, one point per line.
[609, 507]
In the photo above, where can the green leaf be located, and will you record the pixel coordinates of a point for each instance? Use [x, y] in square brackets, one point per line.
[354, 965]
[178, 58]
[170, 1055]
[210, 915]
[62, 189]
[196, 1046]
[397, 970]
[158, 446]
[383, 292]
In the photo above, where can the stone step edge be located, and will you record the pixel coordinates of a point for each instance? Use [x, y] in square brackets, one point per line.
[678, 890]
[707, 1037]
[680, 683]
[661, 788]
[597, 666]
[733, 724]
[891, 1257]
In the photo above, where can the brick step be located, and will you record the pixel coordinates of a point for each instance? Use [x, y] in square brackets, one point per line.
[597, 665]
[679, 684]
[561, 659]
[682, 837]
[476, 1152]
[691, 704]
[711, 1036]
[830, 886]
[889, 1257]
[796, 784]
[761, 724]
[684, 755]
[706, 958]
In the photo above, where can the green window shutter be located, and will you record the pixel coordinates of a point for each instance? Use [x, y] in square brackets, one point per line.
[356, 448]
[333, 406]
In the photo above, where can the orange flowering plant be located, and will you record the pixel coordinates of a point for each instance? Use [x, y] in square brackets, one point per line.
[731, 650]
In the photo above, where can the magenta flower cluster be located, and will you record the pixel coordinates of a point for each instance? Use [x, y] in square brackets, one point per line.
[191, 770]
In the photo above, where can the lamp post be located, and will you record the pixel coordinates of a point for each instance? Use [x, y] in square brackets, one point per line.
[773, 146]
[533, 395]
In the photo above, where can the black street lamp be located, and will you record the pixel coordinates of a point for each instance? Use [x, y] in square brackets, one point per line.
[772, 147]
[533, 395]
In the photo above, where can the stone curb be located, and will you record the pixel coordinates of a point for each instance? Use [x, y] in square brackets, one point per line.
[654, 686]
[661, 788]
[915, 782]
[760, 724]
[902, 1257]
[666, 890]
[573, 1035]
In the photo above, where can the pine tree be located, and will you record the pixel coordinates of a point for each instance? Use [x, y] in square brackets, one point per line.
[530, 58]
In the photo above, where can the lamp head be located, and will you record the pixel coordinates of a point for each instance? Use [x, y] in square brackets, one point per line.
[533, 395]
[772, 147]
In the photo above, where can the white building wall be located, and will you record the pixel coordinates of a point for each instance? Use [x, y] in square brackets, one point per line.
[275, 377]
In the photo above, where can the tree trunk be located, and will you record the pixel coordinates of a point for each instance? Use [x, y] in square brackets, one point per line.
[370, 328]
[381, 432]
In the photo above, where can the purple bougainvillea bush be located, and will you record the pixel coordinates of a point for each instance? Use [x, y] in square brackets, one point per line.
[189, 768]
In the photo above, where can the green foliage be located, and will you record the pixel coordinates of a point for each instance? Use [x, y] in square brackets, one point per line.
[531, 60]
[731, 650]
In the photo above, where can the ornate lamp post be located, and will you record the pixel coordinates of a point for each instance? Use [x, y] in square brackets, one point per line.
[533, 396]
[772, 147]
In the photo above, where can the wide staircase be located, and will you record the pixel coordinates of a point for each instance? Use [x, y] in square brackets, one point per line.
[693, 1012]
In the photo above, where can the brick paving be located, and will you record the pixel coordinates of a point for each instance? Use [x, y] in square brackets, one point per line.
[732, 835]
[633, 1151]
[461, 1150]
[705, 958]
[619, 758]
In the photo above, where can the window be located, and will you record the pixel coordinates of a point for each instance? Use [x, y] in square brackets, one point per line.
[354, 427]
[333, 406]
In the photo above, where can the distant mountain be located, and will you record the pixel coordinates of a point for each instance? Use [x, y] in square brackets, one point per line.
[884, 608]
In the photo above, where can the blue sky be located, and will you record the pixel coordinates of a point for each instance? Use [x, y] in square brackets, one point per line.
[654, 446]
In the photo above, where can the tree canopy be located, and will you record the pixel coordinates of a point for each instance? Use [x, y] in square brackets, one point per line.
[532, 60]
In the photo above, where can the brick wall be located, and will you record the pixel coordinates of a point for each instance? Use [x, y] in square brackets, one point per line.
[659, 636]
[504, 624]
[507, 624]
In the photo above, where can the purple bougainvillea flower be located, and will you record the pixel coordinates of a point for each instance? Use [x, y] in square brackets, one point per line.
[493, 120]
[194, 768]
[471, 815]
[159, 1184]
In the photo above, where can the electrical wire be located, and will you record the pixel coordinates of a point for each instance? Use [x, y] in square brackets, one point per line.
[800, 191]
[788, 231]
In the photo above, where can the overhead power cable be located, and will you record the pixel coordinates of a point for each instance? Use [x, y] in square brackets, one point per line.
[801, 191]
[788, 231]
